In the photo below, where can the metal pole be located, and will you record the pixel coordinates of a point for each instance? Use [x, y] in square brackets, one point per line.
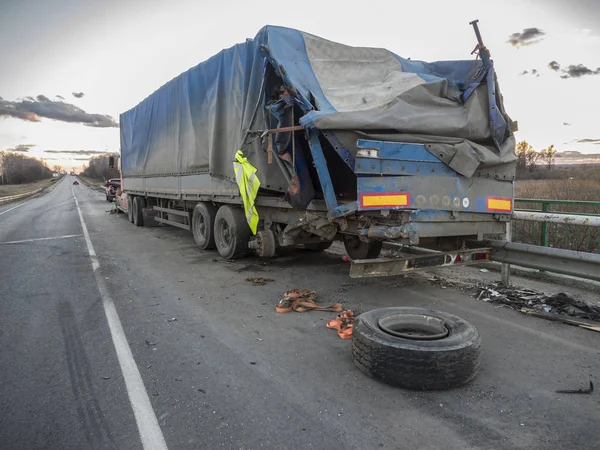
[505, 268]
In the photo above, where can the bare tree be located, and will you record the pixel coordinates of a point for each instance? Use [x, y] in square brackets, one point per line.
[527, 157]
[549, 155]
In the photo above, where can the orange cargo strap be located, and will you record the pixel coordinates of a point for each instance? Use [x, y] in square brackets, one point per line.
[343, 324]
[302, 300]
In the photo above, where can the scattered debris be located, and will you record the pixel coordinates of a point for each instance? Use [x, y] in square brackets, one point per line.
[343, 323]
[302, 300]
[552, 307]
[345, 258]
[172, 320]
[202, 390]
[224, 261]
[258, 339]
[258, 281]
[178, 379]
[106, 378]
[150, 344]
[253, 362]
[147, 367]
[577, 391]
[483, 270]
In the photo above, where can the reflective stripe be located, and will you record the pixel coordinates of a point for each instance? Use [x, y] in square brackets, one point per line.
[249, 216]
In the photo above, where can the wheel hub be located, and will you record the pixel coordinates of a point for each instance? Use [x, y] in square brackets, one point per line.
[421, 327]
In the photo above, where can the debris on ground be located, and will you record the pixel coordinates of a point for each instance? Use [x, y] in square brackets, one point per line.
[149, 343]
[577, 391]
[302, 300]
[172, 320]
[548, 306]
[343, 323]
[258, 281]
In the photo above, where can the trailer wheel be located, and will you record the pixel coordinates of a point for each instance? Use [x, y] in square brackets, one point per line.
[416, 348]
[232, 233]
[319, 246]
[138, 214]
[203, 223]
[130, 208]
[358, 249]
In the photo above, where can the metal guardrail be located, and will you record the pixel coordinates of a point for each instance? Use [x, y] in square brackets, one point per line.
[561, 235]
[558, 229]
[10, 198]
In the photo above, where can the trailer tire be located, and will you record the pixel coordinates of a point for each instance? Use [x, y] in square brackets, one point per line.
[318, 246]
[130, 208]
[358, 249]
[444, 361]
[232, 233]
[138, 214]
[203, 225]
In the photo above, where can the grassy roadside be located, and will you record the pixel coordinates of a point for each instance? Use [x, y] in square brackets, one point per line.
[7, 190]
[92, 182]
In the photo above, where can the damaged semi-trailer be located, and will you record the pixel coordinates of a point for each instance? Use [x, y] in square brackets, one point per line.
[289, 139]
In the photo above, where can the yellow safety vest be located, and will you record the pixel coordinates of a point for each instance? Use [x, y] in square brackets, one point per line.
[248, 182]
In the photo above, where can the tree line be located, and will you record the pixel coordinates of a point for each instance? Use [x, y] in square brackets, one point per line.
[16, 168]
[98, 168]
[528, 158]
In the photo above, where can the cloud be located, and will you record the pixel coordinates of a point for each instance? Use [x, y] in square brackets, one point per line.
[533, 72]
[528, 36]
[587, 141]
[78, 94]
[78, 152]
[32, 110]
[578, 71]
[80, 159]
[566, 124]
[60, 97]
[554, 65]
[21, 148]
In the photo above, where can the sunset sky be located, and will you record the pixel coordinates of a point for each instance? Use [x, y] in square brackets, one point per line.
[70, 67]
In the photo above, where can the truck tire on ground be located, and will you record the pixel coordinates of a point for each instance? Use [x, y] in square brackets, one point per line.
[130, 208]
[203, 223]
[358, 249]
[422, 349]
[138, 214]
[318, 246]
[232, 232]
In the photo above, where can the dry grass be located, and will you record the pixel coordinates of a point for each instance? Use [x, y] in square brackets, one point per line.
[16, 189]
[91, 182]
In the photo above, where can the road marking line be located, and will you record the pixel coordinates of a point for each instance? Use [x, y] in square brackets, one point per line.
[145, 417]
[42, 239]
[15, 207]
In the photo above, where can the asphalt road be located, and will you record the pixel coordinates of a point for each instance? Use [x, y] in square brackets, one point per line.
[221, 369]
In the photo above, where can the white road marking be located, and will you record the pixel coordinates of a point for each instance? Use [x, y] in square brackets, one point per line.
[15, 207]
[148, 427]
[42, 239]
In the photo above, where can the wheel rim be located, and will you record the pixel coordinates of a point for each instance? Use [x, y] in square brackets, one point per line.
[353, 242]
[201, 227]
[421, 327]
[225, 233]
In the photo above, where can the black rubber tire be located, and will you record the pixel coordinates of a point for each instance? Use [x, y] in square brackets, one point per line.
[416, 364]
[138, 214]
[319, 246]
[358, 249]
[232, 233]
[130, 208]
[203, 223]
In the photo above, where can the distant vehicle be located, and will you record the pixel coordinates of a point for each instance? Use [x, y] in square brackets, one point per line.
[110, 187]
[75, 182]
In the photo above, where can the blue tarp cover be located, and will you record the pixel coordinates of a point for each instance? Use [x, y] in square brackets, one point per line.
[196, 122]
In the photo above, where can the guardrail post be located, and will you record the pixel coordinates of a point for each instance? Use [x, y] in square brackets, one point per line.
[505, 268]
[544, 240]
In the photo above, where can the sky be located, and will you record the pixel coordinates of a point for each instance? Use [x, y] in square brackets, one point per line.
[70, 67]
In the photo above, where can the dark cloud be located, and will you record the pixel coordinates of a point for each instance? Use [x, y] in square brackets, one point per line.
[21, 148]
[60, 97]
[566, 124]
[528, 36]
[578, 71]
[77, 152]
[78, 94]
[32, 110]
[533, 72]
[80, 159]
[588, 141]
[554, 66]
